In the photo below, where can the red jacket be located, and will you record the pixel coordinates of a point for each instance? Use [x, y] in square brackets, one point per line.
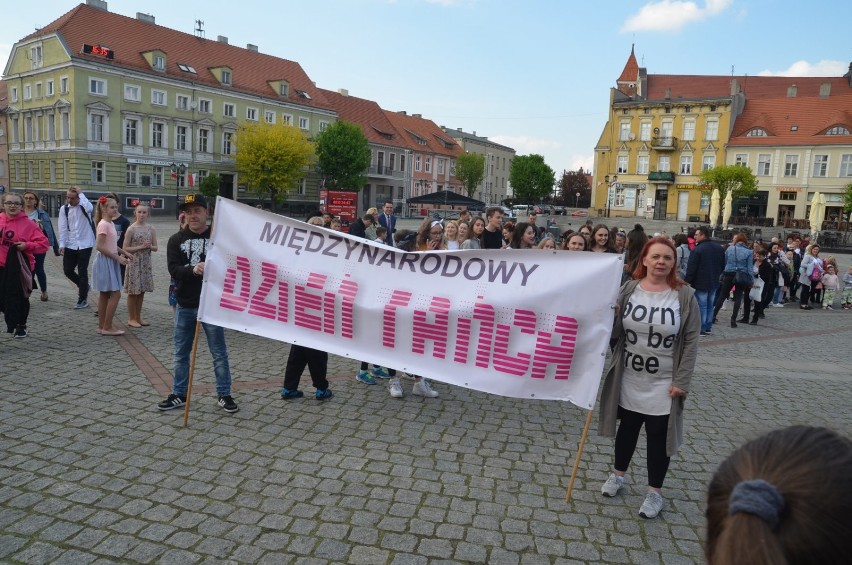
[17, 229]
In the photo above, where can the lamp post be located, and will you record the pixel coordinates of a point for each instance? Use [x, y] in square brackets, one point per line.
[610, 186]
[576, 200]
[178, 169]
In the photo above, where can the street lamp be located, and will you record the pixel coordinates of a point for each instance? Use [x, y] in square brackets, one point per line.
[576, 200]
[177, 169]
[610, 186]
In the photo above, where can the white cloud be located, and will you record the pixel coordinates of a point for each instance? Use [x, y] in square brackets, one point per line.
[585, 161]
[5, 52]
[824, 68]
[524, 145]
[672, 15]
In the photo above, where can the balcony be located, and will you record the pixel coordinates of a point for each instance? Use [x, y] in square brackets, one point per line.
[662, 177]
[664, 143]
[384, 172]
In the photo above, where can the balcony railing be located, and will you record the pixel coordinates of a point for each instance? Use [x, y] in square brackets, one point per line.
[384, 172]
[662, 176]
[664, 143]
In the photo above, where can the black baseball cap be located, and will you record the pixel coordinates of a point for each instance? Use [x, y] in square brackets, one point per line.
[193, 199]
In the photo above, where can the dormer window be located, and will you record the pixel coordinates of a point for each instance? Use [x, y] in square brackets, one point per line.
[222, 74]
[159, 63]
[284, 89]
[756, 132]
[837, 130]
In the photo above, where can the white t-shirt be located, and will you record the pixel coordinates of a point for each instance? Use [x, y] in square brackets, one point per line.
[651, 322]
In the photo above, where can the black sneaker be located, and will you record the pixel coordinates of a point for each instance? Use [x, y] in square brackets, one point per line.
[21, 332]
[228, 405]
[172, 402]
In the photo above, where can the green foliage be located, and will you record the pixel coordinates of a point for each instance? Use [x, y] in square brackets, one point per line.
[531, 178]
[847, 198]
[470, 169]
[343, 155]
[209, 187]
[736, 179]
[271, 158]
[570, 184]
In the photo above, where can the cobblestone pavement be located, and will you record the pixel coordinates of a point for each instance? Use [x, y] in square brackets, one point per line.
[92, 472]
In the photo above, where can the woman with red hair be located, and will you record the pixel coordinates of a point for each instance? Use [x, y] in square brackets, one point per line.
[656, 343]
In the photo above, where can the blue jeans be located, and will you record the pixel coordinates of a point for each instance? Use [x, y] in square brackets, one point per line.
[184, 334]
[706, 301]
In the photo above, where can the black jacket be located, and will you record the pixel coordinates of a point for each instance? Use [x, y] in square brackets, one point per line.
[706, 263]
[358, 228]
[184, 251]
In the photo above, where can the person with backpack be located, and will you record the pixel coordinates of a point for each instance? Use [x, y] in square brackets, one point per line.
[681, 242]
[76, 241]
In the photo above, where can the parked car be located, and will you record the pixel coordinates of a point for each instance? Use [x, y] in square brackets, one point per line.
[508, 212]
[559, 210]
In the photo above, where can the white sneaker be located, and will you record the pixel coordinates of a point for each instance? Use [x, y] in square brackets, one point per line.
[652, 506]
[422, 388]
[612, 485]
[778, 305]
[395, 388]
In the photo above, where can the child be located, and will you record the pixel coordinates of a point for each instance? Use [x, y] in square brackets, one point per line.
[335, 224]
[830, 285]
[846, 297]
[141, 240]
[381, 234]
[106, 273]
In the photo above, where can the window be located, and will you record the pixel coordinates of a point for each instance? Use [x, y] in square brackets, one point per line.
[402, 163]
[621, 166]
[131, 131]
[180, 138]
[15, 130]
[741, 159]
[36, 56]
[182, 102]
[304, 123]
[97, 86]
[787, 196]
[226, 76]
[642, 164]
[392, 161]
[28, 129]
[645, 131]
[158, 134]
[302, 187]
[187, 68]
[28, 92]
[764, 160]
[49, 88]
[63, 85]
[666, 129]
[156, 176]
[284, 89]
[846, 165]
[791, 165]
[711, 133]
[756, 132]
[428, 168]
[132, 93]
[51, 126]
[205, 106]
[837, 130]
[65, 125]
[303, 94]
[159, 63]
[13, 94]
[269, 116]
[323, 126]
[227, 143]
[158, 97]
[203, 140]
[52, 173]
[417, 163]
[624, 134]
[251, 114]
[664, 164]
[287, 119]
[441, 165]
[98, 172]
[38, 90]
[820, 166]
[689, 129]
[30, 170]
[708, 162]
[619, 196]
[686, 164]
[229, 110]
[96, 127]
[132, 175]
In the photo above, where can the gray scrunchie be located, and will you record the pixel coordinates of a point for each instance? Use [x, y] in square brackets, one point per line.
[758, 497]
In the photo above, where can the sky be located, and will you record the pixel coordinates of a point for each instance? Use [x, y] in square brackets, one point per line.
[533, 74]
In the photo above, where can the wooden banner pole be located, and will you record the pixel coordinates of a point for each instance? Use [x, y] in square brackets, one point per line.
[576, 459]
[191, 373]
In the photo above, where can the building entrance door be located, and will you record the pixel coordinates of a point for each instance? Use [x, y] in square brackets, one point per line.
[682, 204]
[661, 200]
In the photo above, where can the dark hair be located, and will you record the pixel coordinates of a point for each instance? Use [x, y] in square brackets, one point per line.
[680, 239]
[641, 271]
[425, 228]
[636, 240]
[471, 235]
[572, 235]
[703, 230]
[493, 210]
[37, 199]
[609, 240]
[518, 234]
[809, 466]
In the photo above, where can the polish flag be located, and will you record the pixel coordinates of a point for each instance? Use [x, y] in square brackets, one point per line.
[190, 179]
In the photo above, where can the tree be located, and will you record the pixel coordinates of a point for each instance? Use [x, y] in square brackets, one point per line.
[736, 179]
[343, 155]
[470, 169]
[571, 183]
[271, 158]
[531, 178]
[209, 187]
[847, 198]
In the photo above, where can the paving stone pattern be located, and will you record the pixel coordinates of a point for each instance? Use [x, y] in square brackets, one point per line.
[92, 472]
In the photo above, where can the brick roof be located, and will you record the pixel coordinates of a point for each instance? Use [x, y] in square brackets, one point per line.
[4, 96]
[811, 116]
[412, 127]
[631, 69]
[755, 87]
[129, 38]
[368, 115]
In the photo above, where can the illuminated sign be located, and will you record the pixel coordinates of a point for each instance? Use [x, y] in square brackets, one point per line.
[99, 50]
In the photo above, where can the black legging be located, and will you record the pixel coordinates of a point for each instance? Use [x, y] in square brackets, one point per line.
[805, 294]
[656, 430]
[724, 291]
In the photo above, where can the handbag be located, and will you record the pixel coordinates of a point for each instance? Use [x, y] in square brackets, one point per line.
[743, 278]
[816, 273]
[756, 292]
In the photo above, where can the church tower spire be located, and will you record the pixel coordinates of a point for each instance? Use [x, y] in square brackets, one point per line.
[626, 83]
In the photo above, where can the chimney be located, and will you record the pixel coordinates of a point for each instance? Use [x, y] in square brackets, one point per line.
[849, 74]
[222, 39]
[474, 133]
[460, 129]
[416, 115]
[668, 94]
[825, 90]
[251, 47]
[792, 90]
[403, 112]
[99, 4]
[147, 18]
[343, 92]
[735, 87]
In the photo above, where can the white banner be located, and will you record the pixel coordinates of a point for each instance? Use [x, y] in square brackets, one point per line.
[523, 324]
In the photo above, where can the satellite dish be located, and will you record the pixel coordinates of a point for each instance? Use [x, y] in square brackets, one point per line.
[656, 130]
[632, 136]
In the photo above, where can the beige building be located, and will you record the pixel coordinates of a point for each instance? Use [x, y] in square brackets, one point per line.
[498, 162]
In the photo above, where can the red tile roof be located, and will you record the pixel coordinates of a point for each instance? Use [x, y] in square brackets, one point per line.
[368, 115]
[412, 127]
[631, 69]
[129, 38]
[811, 116]
[754, 87]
